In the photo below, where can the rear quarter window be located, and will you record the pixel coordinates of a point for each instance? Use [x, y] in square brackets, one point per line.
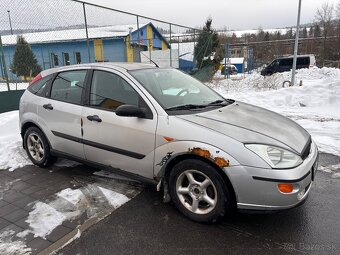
[38, 87]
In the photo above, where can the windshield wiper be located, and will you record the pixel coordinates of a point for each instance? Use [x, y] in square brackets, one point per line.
[217, 102]
[186, 107]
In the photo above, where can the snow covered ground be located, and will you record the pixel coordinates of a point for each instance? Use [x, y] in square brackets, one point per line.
[315, 105]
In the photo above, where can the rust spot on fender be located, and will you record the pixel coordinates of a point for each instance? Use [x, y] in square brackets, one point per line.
[221, 162]
[201, 152]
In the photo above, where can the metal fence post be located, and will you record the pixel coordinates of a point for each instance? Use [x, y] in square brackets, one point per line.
[87, 34]
[4, 64]
[170, 47]
[138, 35]
[296, 45]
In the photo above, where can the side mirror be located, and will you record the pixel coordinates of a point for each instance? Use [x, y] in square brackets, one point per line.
[130, 111]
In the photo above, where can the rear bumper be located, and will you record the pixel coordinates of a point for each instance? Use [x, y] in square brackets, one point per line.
[256, 188]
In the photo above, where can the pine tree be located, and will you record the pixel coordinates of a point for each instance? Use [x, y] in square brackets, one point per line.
[289, 33]
[317, 31]
[24, 61]
[304, 32]
[311, 31]
[266, 36]
[277, 35]
[206, 47]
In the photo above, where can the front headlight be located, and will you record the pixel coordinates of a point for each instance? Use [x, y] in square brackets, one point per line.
[276, 157]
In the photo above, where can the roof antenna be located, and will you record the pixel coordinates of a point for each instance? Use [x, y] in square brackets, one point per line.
[150, 60]
[154, 63]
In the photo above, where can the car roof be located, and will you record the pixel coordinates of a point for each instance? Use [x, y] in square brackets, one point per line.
[122, 66]
[299, 56]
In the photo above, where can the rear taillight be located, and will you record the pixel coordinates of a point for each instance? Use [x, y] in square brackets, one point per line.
[36, 78]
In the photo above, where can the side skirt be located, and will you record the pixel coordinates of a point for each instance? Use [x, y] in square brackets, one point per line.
[118, 171]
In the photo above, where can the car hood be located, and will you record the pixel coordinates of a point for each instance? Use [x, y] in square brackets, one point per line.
[251, 124]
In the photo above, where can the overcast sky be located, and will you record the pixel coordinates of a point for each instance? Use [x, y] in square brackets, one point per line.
[234, 14]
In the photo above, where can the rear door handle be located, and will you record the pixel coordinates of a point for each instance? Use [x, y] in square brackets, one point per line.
[48, 106]
[94, 118]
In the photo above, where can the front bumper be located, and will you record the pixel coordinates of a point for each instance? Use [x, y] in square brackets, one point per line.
[256, 188]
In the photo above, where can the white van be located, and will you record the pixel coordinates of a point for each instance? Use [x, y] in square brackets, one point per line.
[284, 64]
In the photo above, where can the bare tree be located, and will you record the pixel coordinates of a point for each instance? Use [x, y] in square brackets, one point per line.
[324, 16]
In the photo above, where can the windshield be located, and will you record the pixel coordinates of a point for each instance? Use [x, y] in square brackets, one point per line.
[175, 90]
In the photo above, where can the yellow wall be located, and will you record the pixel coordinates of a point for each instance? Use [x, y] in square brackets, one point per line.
[164, 46]
[98, 50]
[129, 49]
[149, 37]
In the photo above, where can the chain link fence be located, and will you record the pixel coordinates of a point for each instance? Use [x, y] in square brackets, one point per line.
[67, 32]
[260, 53]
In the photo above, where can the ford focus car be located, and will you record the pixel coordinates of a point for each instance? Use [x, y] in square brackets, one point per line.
[206, 153]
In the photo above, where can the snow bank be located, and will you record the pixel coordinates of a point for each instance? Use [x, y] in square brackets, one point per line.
[12, 154]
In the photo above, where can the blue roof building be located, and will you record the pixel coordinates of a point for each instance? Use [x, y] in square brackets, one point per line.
[120, 43]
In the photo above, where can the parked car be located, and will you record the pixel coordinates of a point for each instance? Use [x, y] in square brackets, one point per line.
[207, 153]
[232, 69]
[284, 64]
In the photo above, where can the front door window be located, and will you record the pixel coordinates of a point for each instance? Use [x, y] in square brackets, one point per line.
[108, 91]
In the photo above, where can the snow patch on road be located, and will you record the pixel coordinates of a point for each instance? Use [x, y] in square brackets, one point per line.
[68, 205]
[72, 196]
[115, 199]
[43, 219]
[9, 246]
[332, 169]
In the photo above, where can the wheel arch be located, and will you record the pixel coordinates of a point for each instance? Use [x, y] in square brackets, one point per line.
[165, 172]
[26, 126]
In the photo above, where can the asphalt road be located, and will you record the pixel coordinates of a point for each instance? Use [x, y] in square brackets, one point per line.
[147, 226]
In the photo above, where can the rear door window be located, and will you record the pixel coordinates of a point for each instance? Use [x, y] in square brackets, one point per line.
[68, 86]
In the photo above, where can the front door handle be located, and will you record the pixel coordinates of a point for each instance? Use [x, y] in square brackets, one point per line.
[48, 106]
[94, 118]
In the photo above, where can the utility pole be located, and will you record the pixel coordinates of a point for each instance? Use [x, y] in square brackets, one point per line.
[170, 45]
[296, 45]
[10, 21]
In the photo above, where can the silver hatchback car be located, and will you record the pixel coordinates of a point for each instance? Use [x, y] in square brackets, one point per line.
[206, 153]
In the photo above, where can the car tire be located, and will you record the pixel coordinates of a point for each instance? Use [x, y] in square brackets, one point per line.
[199, 191]
[38, 148]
